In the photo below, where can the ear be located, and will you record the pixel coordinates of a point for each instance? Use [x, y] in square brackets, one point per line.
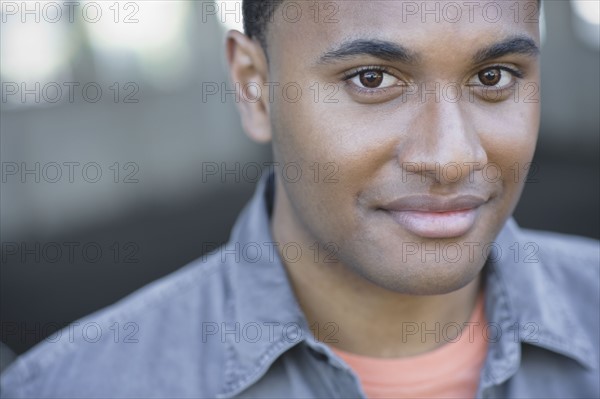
[248, 70]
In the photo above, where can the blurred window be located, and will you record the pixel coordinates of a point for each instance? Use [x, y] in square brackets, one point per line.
[586, 21]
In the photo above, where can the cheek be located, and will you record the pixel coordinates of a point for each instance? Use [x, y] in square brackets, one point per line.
[338, 152]
[511, 135]
[510, 142]
[341, 149]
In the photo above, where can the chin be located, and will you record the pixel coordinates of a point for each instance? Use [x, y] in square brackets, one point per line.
[432, 278]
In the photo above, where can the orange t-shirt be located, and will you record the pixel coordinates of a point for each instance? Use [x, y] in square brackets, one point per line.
[449, 371]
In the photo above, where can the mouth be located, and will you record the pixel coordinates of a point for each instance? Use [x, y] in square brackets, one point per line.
[436, 217]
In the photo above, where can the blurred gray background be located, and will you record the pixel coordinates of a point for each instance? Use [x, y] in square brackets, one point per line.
[150, 131]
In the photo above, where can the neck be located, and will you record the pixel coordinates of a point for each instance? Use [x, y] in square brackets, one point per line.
[354, 315]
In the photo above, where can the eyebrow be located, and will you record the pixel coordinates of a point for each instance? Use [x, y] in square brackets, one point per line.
[513, 45]
[390, 51]
[381, 49]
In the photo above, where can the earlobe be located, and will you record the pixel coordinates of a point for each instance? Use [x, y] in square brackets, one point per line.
[248, 72]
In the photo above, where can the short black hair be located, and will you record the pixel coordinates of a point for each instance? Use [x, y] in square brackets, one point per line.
[257, 15]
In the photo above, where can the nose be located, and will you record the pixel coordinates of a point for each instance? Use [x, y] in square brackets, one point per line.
[442, 144]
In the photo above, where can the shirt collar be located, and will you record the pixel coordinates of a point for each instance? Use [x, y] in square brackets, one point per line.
[527, 306]
[260, 296]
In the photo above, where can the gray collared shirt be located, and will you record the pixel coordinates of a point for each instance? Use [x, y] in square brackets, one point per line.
[228, 325]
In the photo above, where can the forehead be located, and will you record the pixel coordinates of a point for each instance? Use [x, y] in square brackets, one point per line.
[305, 28]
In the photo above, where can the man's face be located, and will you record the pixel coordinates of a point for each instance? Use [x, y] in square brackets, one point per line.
[414, 131]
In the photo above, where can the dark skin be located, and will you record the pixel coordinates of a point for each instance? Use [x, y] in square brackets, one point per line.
[388, 143]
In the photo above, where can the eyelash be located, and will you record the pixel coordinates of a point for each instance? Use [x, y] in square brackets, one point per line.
[378, 68]
[516, 72]
[355, 72]
[513, 71]
[348, 75]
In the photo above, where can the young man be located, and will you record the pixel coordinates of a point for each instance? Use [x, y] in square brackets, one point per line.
[379, 259]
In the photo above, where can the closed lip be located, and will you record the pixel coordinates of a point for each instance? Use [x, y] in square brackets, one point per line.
[430, 203]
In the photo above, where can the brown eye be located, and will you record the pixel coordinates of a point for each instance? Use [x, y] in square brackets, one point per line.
[490, 77]
[371, 79]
